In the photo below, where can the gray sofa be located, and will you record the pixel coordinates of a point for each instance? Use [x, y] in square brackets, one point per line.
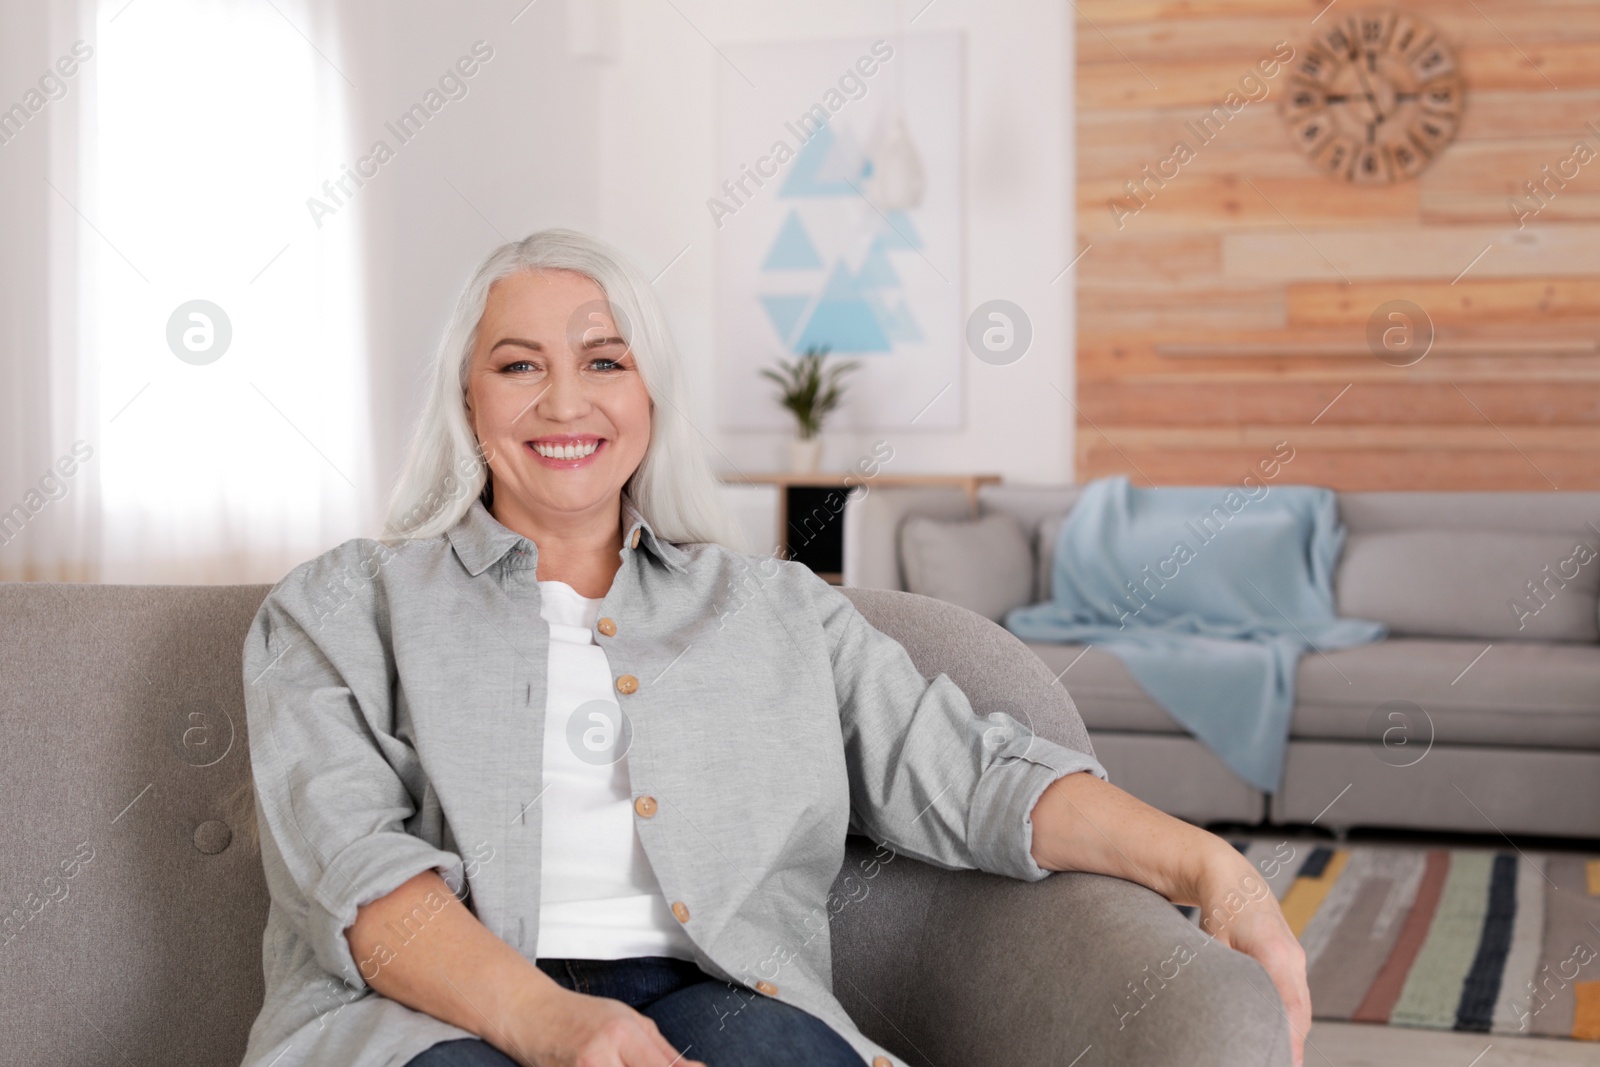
[134, 905]
[1471, 716]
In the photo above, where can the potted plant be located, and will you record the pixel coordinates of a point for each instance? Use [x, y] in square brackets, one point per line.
[810, 392]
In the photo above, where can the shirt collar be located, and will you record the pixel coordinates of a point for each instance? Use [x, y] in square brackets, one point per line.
[480, 540]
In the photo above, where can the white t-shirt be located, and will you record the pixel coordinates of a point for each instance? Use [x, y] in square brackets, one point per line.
[599, 896]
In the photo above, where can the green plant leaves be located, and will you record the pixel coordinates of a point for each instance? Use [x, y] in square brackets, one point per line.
[808, 389]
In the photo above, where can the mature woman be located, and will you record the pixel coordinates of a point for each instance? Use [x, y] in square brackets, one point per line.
[555, 773]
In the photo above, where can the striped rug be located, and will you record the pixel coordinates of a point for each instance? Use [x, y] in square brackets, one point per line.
[1446, 939]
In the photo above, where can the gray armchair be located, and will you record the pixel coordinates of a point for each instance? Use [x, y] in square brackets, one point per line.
[134, 906]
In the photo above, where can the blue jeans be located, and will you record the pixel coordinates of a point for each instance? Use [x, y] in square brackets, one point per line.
[720, 1024]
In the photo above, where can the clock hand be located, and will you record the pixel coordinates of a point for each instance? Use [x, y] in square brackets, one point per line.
[1367, 87]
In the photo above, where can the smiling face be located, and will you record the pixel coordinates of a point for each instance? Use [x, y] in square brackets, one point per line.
[555, 397]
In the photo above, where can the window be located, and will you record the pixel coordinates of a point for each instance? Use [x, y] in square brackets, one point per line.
[233, 435]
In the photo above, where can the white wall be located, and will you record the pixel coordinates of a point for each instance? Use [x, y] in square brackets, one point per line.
[625, 149]
[657, 152]
[521, 148]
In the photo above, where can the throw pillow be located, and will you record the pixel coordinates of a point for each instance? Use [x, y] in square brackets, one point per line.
[1045, 552]
[984, 565]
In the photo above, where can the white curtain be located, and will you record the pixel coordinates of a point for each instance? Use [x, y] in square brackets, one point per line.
[175, 190]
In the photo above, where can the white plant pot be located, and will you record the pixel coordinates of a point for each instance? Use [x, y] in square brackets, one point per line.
[805, 454]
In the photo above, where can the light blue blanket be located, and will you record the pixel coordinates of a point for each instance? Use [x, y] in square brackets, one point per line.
[1209, 596]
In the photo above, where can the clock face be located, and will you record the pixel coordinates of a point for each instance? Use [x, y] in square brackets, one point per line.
[1375, 98]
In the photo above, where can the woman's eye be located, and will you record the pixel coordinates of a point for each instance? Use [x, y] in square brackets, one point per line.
[607, 356]
[521, 364]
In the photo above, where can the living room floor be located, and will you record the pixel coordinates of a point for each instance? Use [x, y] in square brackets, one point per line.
[1347, 1044]
[1367, 1045]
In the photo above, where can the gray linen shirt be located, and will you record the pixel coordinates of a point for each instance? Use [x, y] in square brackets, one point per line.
[395, 696]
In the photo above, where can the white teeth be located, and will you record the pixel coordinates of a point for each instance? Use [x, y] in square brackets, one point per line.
[566, 451]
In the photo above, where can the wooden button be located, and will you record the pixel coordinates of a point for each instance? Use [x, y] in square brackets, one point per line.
[635, 542]
[645, 806]
[680, 910]
[607, 627]
[881, 1061]
[768, 988]
[627, 683]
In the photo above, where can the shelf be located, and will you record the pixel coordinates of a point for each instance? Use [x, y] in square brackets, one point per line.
[808, 494]
[822, 479]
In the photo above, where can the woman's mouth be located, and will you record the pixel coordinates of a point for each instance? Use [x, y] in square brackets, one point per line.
[565, 453]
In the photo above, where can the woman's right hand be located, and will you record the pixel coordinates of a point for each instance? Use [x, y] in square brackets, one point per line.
[562, 1028]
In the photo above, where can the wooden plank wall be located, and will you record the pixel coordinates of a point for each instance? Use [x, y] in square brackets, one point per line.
[1231, 310]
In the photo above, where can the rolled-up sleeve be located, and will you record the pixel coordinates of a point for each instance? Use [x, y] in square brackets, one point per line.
[334, 786]
[928, 776]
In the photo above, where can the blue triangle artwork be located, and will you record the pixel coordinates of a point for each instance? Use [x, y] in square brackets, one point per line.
[856, 311]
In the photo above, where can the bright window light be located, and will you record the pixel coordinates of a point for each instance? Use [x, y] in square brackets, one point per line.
[213, 123]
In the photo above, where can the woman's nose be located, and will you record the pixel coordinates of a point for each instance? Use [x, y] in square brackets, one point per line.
[565, 396]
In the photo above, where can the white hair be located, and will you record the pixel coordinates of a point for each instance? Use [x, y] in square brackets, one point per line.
[444, 470]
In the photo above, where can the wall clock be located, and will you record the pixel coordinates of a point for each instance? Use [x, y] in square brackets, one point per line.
[1374, 98]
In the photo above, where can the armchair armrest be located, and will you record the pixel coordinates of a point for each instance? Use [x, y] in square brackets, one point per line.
[965, 967]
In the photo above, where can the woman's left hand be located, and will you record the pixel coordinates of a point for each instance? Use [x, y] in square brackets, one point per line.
[1238, 909]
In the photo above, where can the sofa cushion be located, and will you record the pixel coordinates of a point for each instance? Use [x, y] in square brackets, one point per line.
[1468, 583]
[122, 707]
[1105, 692]
[1515, 694]
[984, 565]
